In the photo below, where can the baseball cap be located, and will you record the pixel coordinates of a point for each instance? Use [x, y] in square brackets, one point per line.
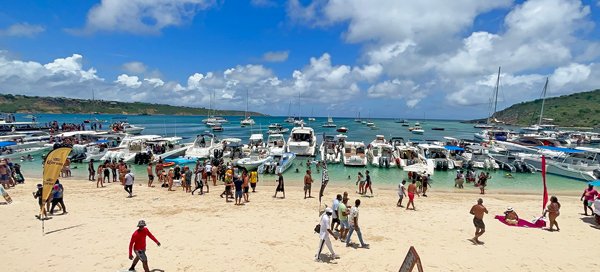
[141, 223]
[328, 210]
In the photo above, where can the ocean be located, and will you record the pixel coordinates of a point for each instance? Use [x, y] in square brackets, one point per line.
[188, 127]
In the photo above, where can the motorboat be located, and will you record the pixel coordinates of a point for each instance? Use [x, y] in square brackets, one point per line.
[408, 155]
[330, 123]
[330, 150]
[204, 146]
[276, 128]
[248, 121]
[166, 147]
[279, 164]
[257, 157]
[370, 124]
[419, 131]
[582, 163]
[508, 161]
[232, 148]
[256, 141]
[355, 154]
[298, 122]
[380, 153]
[493, 134]
[6, 126]
[129, 148]
[436, 155]
[11, 149]
[483, 126]
[438, 128]
[302, 141]
[342, 130]
[215, 120]
[473, 156]
[132, 129]
[312, 119]
[217, 128]
[276, 144]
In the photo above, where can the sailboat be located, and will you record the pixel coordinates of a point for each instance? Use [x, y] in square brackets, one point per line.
[290, 119]
[358, 118]
[488, 124]
[539, 126]
[330, 123]
[248, 121]
[214, 121]
[311, 119]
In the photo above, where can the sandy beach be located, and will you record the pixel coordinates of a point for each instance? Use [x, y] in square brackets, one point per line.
[203, 233]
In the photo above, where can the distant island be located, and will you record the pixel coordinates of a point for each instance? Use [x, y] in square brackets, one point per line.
[36, 104]
[574, 110]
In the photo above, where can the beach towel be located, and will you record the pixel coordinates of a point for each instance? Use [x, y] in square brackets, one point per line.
[538, 224]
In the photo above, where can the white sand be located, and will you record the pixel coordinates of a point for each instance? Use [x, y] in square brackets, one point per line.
[203, 233]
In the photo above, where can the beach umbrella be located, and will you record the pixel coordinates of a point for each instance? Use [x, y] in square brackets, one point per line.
[594, 182]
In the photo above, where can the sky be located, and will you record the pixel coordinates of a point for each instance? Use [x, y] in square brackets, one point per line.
[433, 59]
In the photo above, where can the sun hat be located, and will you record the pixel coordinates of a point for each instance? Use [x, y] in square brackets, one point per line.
[141, 223]
[328, 210]
[510, 209]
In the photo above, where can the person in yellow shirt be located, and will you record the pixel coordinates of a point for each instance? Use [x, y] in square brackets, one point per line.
[253, 180]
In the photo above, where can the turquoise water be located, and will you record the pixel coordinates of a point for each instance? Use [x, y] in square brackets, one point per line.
[189, 126]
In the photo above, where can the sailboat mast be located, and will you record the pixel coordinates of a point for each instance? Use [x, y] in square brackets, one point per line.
[246, 113]
[543, 102]
[496, 93]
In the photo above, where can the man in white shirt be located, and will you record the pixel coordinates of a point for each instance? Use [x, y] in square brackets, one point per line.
[129, 183]
[208, 169]
[401, 193]
[324, 235]
[335, 218]
[353, 219]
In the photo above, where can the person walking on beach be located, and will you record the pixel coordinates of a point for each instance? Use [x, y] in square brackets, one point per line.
[553, 211]
[425, 181]
[38, 195]
[100, 181]
[107, 169]
[588, 198]
[129, 182]
[412, 190]
[368, 183]
[401, 193]
[137, 244]
[199, 179]
[280, 185]
[91, 171]
[324, 233]
[246, 185]
[150, 174]
[253, 180]
[343, 216]
[353, 220]
[335, 218]
[478, 210]
[170, 177]
[307, 183]
[158, 171]
[187, 175]
[361, 183]
[57, 197]
[239, 194]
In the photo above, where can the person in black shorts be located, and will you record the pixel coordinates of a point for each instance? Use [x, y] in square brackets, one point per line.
[280, 185]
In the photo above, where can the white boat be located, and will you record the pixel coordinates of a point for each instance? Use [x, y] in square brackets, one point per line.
[172, 147]
[311, 119]
[302, 141]
[298, 122]
[436, 156]
[12, 150]
[247, 121]
[330, 123]
[475, 156]
[132, 129]
[281, 130]
[279, 164]
[6, 126]
[493, 134]
[256, 141]
[276, 144]
[355, 154]
[257, 157]
[129, 148]
[330, 150]
[212, 120]
[380, 153]
[581, 163]
[419, 131]
[204, 146]
[369, 124]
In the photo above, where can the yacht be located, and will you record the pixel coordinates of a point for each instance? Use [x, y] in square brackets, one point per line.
[167, 147]
[276, 144]
[354, 154]
[380, 153]
[582, 163]
[330, 150]
[247, 121]
[279, 164]
[130, 147]
[473, 156]
[493, 134]
[330, 123]
[204, 146]
[6, 126]
[256, 158]
[256, 141]
[15, 146]
[302, 141]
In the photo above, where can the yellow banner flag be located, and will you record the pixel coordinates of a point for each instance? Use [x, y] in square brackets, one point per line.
[52, 168]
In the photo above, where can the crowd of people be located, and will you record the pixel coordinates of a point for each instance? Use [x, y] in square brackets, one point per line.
[10, 173]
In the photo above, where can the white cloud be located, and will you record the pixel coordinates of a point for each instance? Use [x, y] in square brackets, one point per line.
[142, 16]
[276, 56]
[574, 73]
[134, 67]
[129, 81]
[156, 82]
[398, 89]
[22, 30]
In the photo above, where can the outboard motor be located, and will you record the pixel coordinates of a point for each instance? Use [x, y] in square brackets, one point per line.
[136, 159]
[597, 173]
[445, 164]
[386, 162]
[518, 166]
[470, 165]
[438, 165]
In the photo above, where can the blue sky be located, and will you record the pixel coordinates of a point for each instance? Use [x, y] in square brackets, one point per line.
[390, 58]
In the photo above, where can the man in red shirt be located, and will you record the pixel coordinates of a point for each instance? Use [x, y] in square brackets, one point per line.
[138, 244]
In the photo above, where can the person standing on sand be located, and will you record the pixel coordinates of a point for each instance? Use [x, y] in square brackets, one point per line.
[122, 171]
[343, 215]
[280, 185]
[107, 169]
[199, 179]
[57, 197]
[478, 211]
[361, 183]
[239, 193]
[368, 183]
[208, 170]
[129, 183]
[553, 211]
[170, 177]
[138, 245]
[114, 167]
[353, 220]
[245, 185]
[253, 180]
[158, 171]
[307, 183]
[187, 174]
[324, 233]
[412, 190]
[100, 181]
[425, 181]
[334, 207]
[91, 171]
[150, 174]
[588, 198]
[401, 193]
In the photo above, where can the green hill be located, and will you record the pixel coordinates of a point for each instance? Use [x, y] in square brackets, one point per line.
[36, 104]
[575, 110]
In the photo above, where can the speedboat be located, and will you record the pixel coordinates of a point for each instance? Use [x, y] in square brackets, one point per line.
[418, 131]
[342, 130]
[354, 154]
[15, 149]
[380, 153]
[232, 148]
[302, 141]
[276, 144]
[215, 120]
[276, 128]
[167, 147]
[298, 122]
[493, 134]
[408, 155]
[217, 128]
[279, 164]
[256, 141]
[257, 157]
[474, 156]
[129, 148]
[204, 146]
[436, 155]
[581, 163]
[330, 150]
[330, 123]
[311, 119]
[132, 129]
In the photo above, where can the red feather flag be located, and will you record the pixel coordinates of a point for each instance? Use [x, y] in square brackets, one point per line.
[545, 196]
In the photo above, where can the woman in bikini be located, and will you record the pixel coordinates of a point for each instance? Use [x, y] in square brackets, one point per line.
[553, 211]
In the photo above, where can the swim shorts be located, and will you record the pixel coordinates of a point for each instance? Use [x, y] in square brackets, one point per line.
[478, 223]
[411, 196]
[142, 255]
[307, 186]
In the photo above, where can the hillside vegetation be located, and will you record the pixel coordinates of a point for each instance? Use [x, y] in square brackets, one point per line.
[575, 110]
[36, 104]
